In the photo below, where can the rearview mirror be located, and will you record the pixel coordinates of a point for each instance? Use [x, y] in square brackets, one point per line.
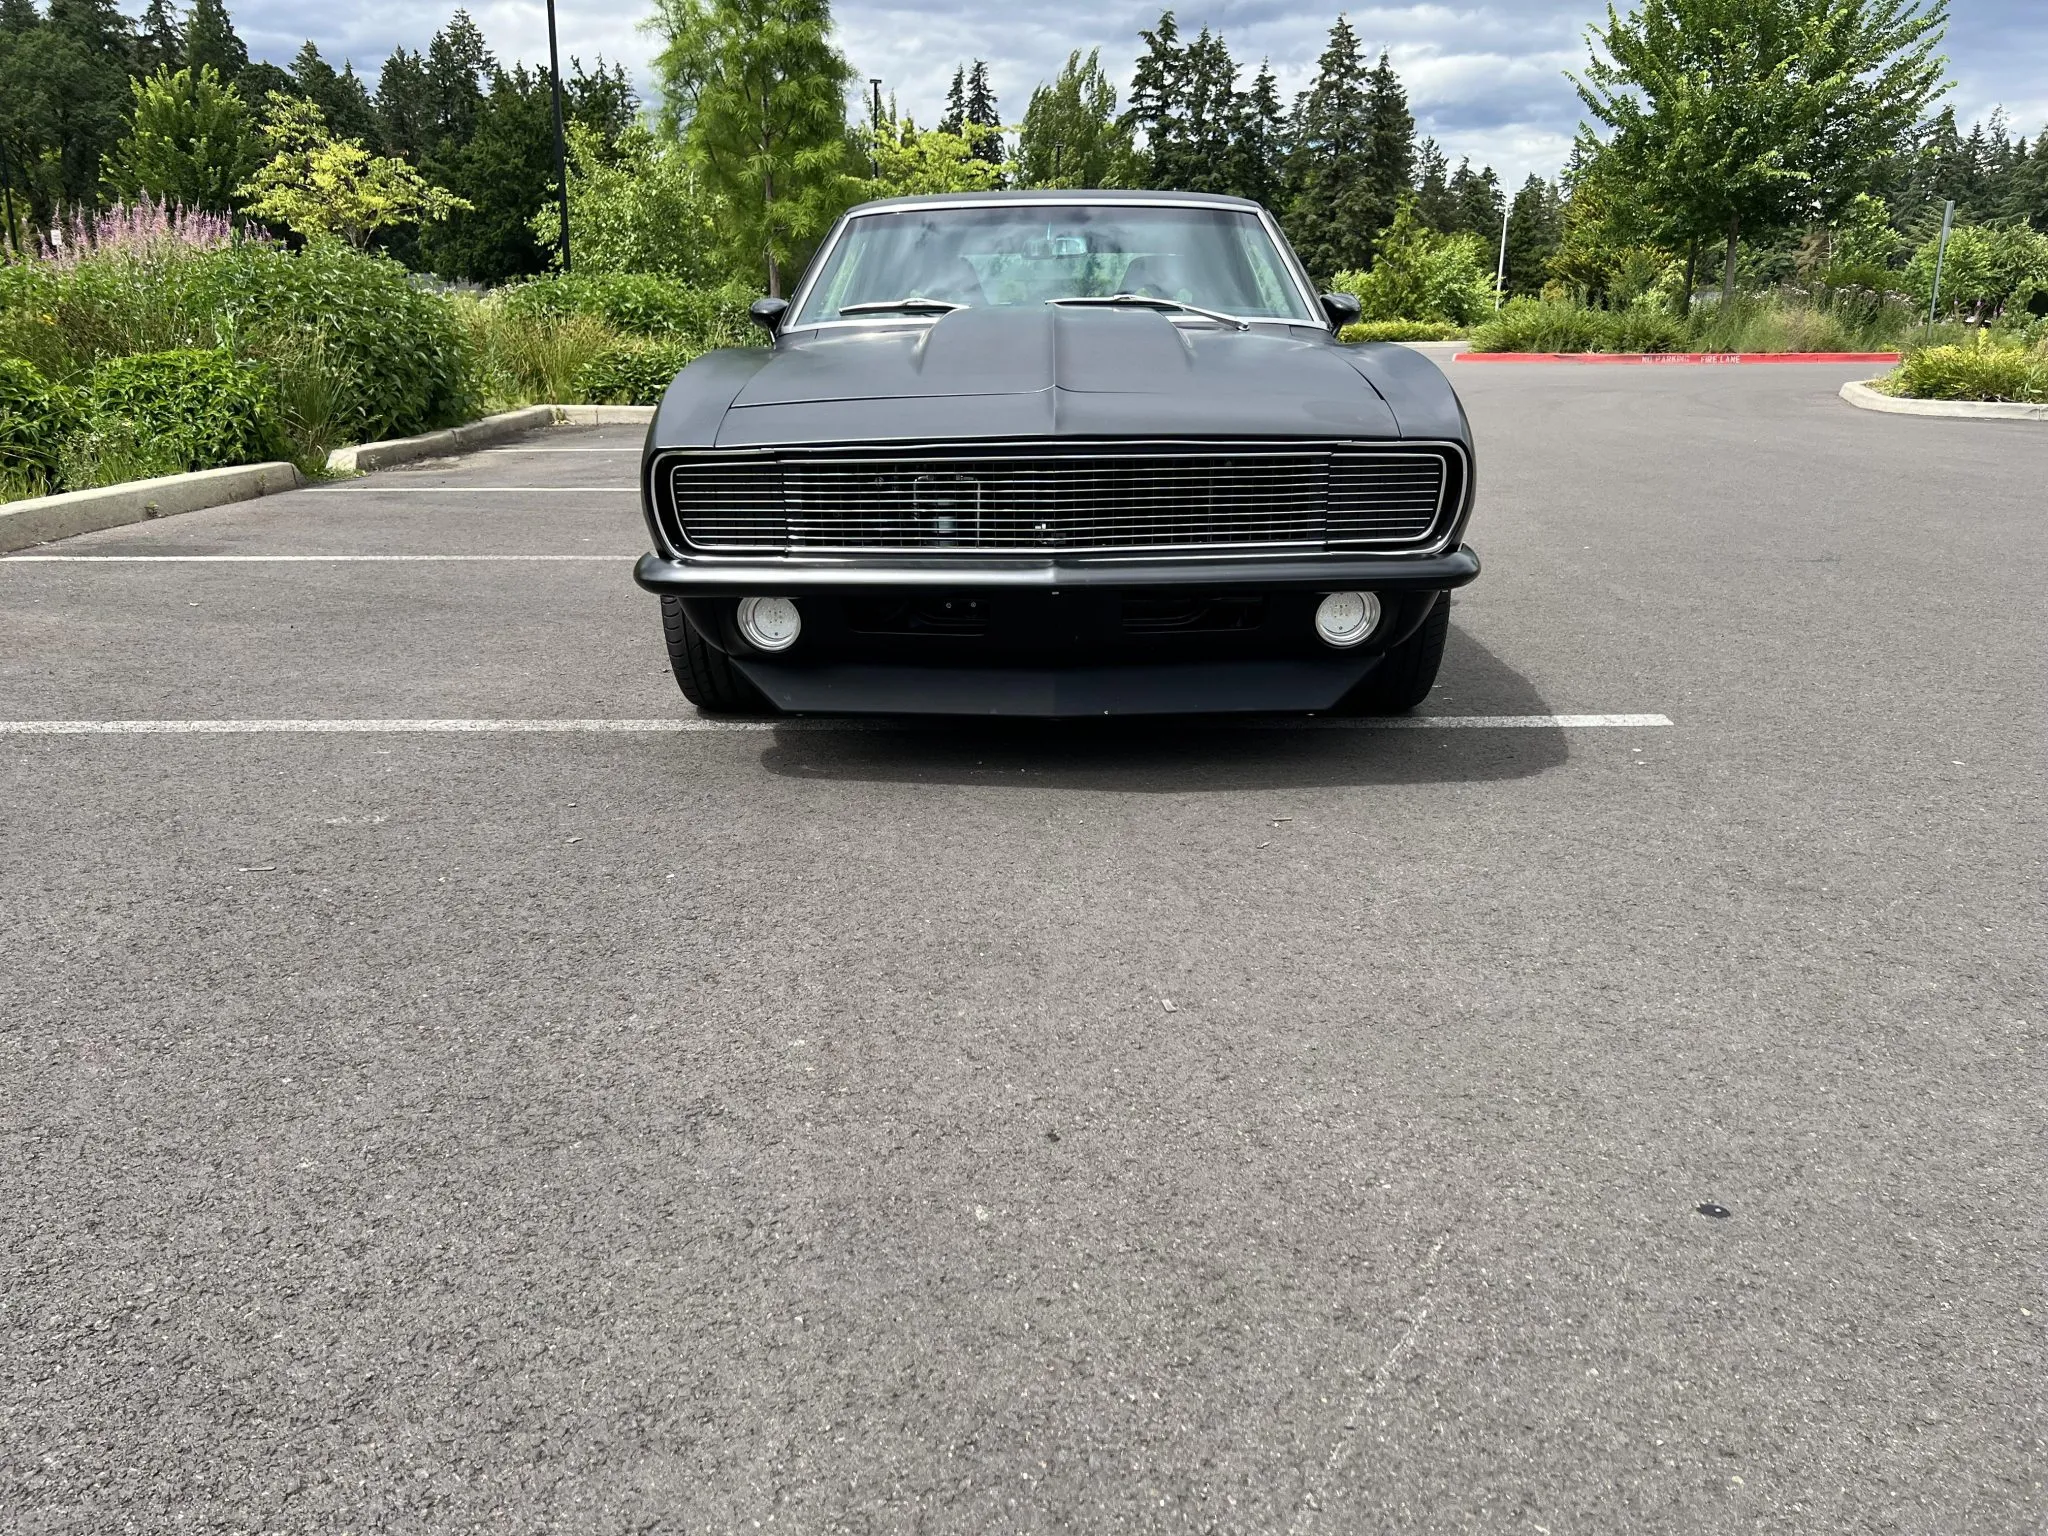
[768, 313]
[1341, 308]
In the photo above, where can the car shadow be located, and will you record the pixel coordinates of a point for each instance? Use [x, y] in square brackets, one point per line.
[1183, 754]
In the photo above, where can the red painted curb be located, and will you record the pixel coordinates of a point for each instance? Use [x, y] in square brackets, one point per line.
[1676, 357]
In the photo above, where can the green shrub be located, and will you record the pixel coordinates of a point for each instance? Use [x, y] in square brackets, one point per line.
[1780, 323]
[1422, 274]
[635, 371]
[407, 363]
[1542, 325]
[524, 358]
[1645, 326]
[640, 304]
[191, 409]
[314, 394]
[1985, 370]
[36, 417]
[111, 451]
[1400, 330]
[399, 351]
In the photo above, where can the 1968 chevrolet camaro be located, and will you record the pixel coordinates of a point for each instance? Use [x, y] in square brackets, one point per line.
[1070, 453]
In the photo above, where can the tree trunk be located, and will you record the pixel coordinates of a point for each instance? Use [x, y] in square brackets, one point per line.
[1728, 272]
[1692, 266]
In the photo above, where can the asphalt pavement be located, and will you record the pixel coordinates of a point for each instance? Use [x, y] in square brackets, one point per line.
[1161, 1126]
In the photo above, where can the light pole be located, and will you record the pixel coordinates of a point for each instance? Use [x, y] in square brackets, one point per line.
[1948, 213]
[1500, 272]
[561, 142]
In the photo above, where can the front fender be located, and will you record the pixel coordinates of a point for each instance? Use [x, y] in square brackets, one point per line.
[1415, 389]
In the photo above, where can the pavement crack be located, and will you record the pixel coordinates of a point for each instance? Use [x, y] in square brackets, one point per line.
[1312, 1497]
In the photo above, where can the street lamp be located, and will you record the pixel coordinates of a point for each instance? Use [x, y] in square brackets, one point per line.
[561, 143]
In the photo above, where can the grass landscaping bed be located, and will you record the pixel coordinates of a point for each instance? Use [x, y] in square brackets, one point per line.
[182, 351]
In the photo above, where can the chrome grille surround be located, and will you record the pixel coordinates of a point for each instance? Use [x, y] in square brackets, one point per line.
[1069, 498]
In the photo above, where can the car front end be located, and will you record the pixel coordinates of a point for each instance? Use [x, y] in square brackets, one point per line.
[1116, 505]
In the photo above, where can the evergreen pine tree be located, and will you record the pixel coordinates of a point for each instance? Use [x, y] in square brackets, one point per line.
[955, 117]
[1257, 141]
[601, 99]
[159, 39]
[340, 97]
[1476, 202]
[458, 63]
[405, 106]
[1389, 171]
[210, 39]
[979, 111]
[1535, 226]
[1332, 203]
[83, 75]
[1199, 147]
[1434, 204]
[504, 170]
[1157, 90]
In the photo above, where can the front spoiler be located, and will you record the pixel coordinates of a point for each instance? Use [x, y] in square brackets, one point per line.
[1051, 693]
[744, 578]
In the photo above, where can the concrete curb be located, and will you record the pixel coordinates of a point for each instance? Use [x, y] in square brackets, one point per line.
[1864, 398]
[476, 434]
[364, 457]
[604, 415]
[40, 519]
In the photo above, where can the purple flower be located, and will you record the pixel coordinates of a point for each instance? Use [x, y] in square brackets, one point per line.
[139, 229]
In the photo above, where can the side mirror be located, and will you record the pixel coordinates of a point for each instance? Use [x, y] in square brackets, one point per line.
[1341, 309]
[768, 313]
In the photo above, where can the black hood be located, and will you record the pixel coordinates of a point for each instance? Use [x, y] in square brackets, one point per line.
[1051, 371]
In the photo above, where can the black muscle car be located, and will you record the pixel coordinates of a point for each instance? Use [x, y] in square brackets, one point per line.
[1057, 453]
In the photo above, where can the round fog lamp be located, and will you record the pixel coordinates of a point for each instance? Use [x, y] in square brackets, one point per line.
[1345, 618]
[769, 623]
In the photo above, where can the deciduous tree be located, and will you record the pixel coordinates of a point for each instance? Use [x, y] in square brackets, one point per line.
[1071, 136]
[320, 186]
[191, 141]
[916, 162]
[756, 91]
[1734, 116]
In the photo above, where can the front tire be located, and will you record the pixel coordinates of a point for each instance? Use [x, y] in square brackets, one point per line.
[706, 674]
[1403, 679]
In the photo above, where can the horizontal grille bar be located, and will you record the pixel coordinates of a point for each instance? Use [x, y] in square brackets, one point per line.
[1313, 497]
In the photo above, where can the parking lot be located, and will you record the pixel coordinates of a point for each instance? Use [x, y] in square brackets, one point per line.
[523, 1108]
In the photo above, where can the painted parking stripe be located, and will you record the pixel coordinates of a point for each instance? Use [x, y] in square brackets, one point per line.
[283, 559]
[368, 487]
[670, 726]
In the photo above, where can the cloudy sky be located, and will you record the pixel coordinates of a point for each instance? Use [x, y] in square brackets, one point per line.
[1487, 79]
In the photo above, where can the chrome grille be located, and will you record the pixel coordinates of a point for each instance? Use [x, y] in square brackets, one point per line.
[1307, 497]
[1383, 500]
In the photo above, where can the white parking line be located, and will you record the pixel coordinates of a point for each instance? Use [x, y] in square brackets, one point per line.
[275, 559]
[800, 722]
[366, 487]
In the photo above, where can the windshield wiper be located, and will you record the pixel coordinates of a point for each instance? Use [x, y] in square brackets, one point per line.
[914, 306]
[1150, 301]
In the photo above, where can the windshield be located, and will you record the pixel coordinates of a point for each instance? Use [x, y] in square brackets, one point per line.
[1020, 254]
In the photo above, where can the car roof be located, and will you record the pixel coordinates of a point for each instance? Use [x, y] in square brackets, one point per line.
[1056, 195]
